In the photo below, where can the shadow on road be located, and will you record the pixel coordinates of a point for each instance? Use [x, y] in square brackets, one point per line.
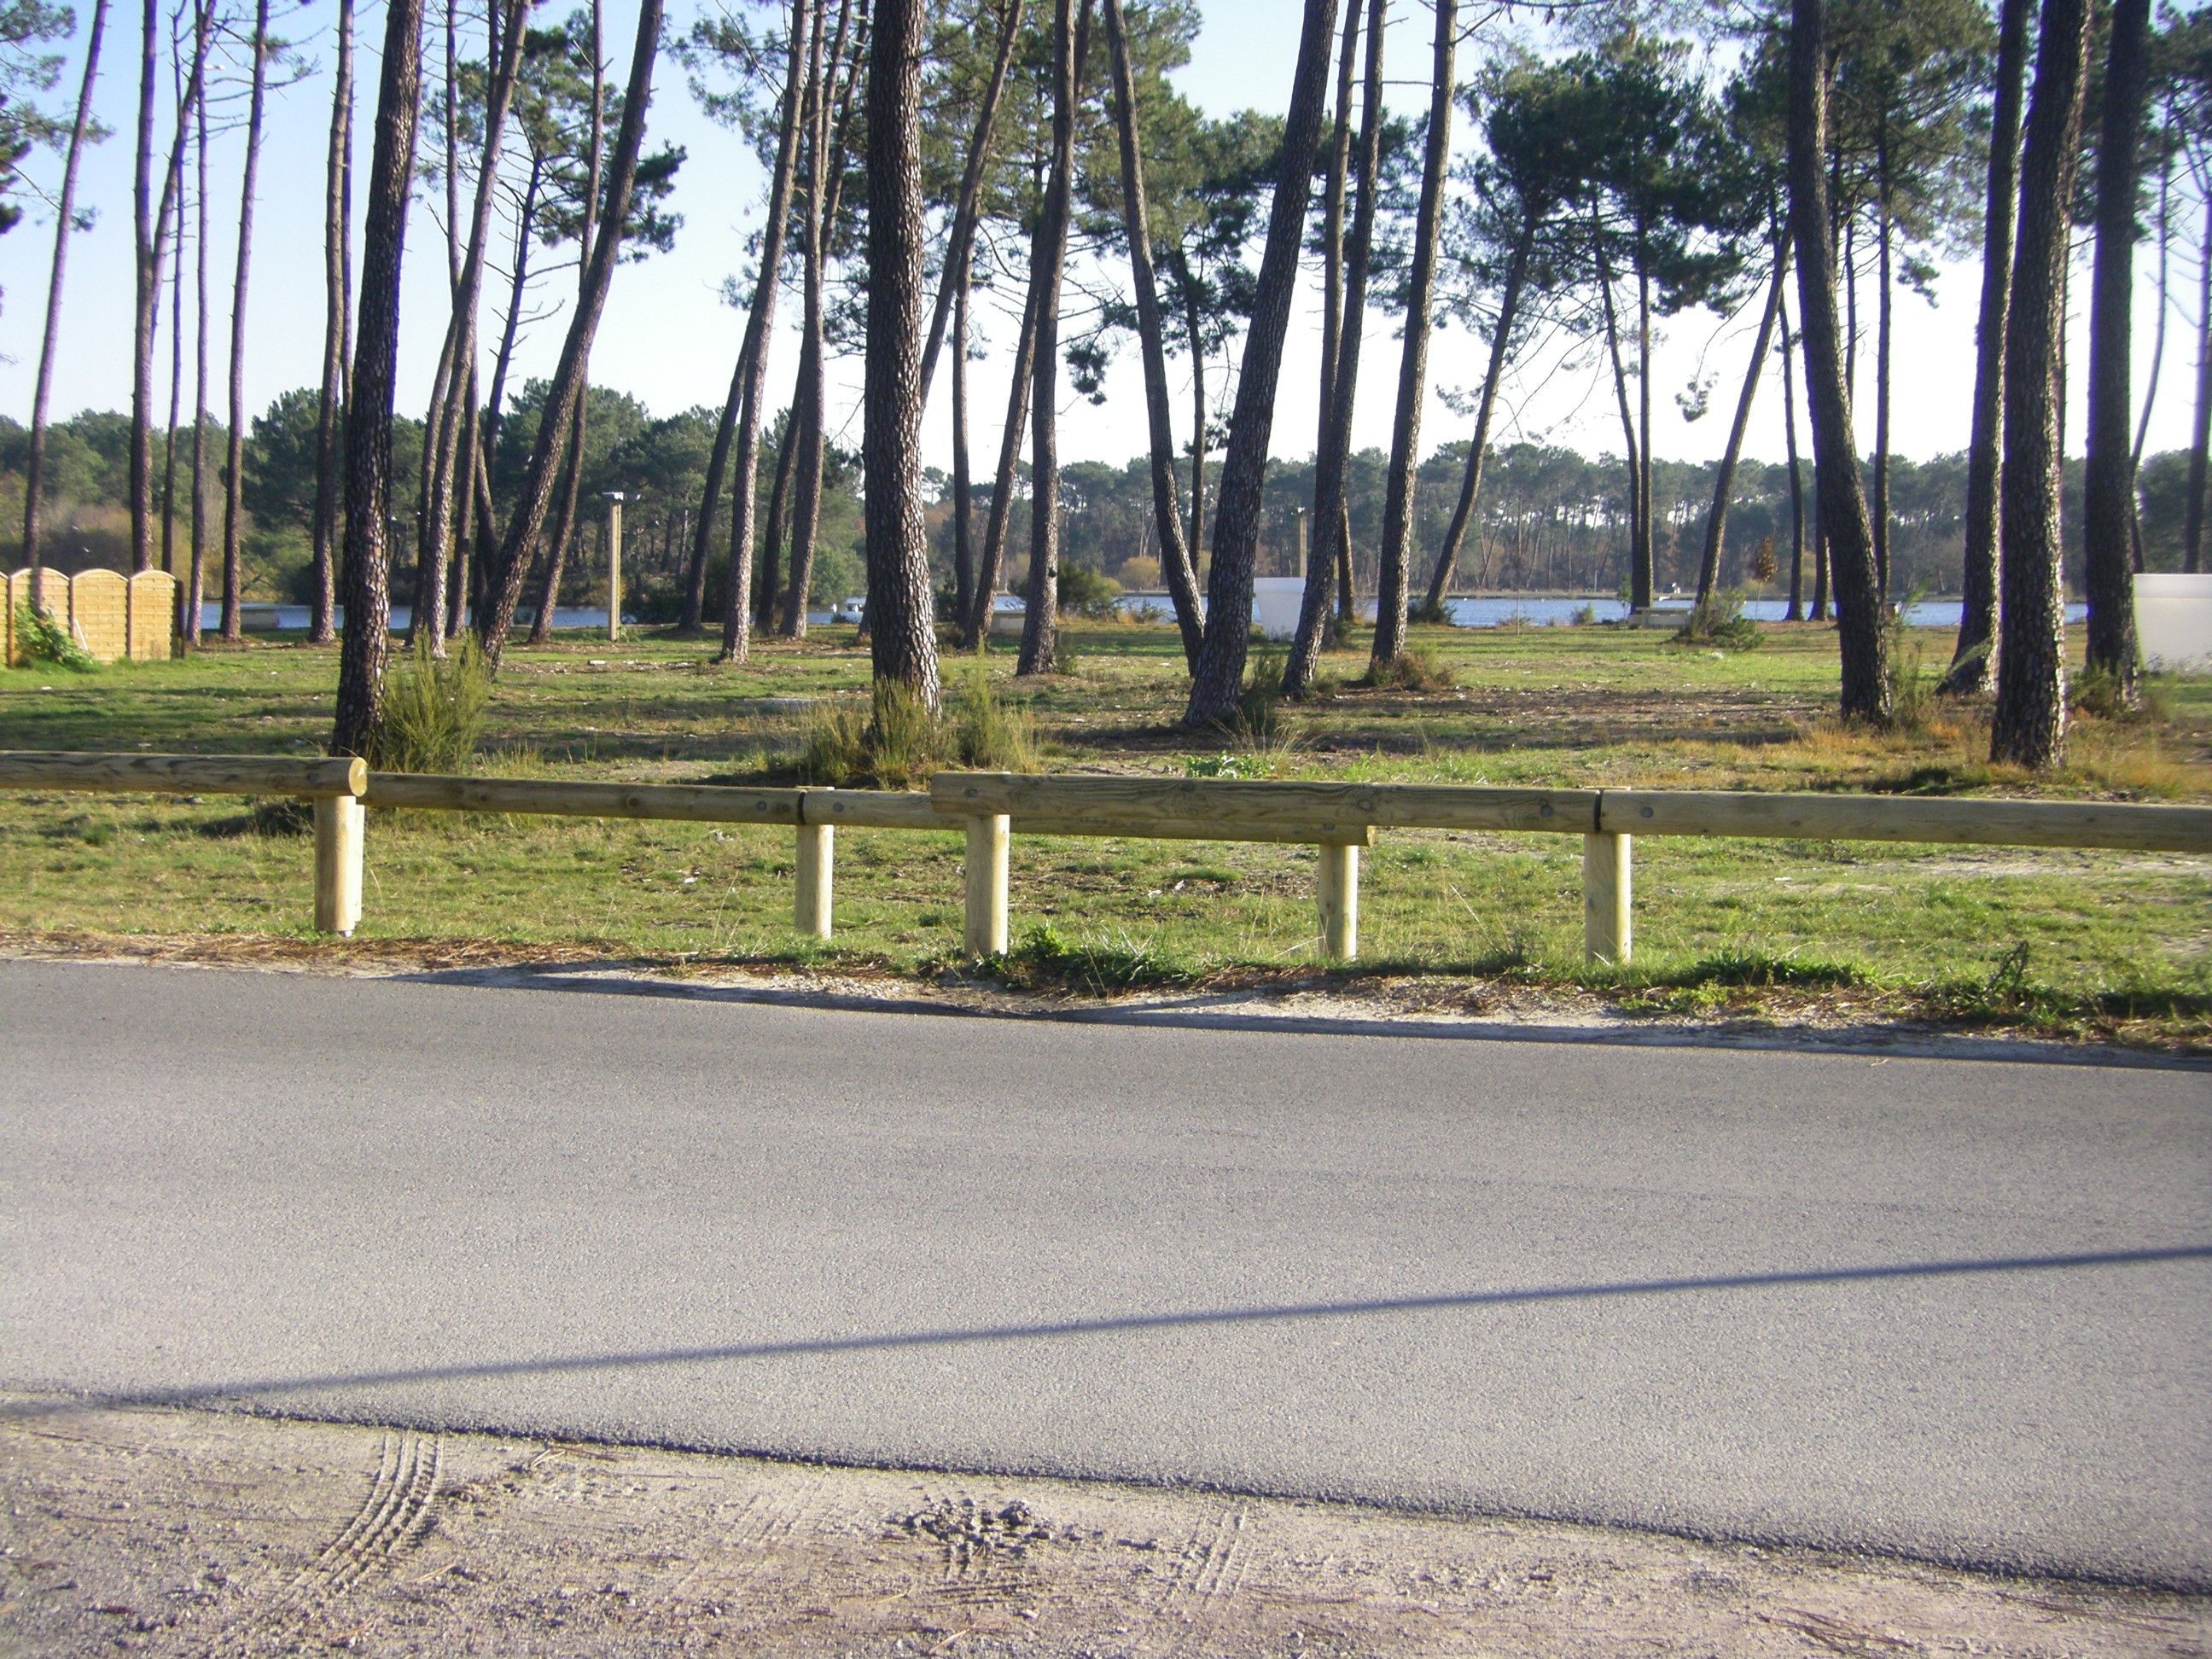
[247, 1390]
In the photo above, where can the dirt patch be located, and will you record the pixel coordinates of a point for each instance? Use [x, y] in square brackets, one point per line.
[167, 1532]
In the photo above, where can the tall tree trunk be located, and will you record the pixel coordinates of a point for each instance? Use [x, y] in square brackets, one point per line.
[2108, 511]
[1647, 563]
[1885, 231]
[1796, 612]
[568, 514]
[1330, 499]
[2158, 329]
[1194, 323]
[1332, 329]
[768, 583]
[1471, 481]
[234, 481]
[901, 630]
[1396, 575]
[149, 266]
[366, 648]
[337, 290]
[2200, 440]
[807, 404]
[990, 568]
[1048, 260]
[1973, 659]
[176, 301]
[1866, 691]
[740, 428]
[806, 514]
[963, 549]
[452, 418]
[64, 221]
[1215, 686]
[967, 206]
[2029, 727]
[564, 395]
[1708, 568]
[1167, 512]
[151, 225]
[573, 458]
[196, 590]
[1640, 570]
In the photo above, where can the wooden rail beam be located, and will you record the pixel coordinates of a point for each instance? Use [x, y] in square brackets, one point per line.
[2122, 824]
[701, 803]
[182, 774]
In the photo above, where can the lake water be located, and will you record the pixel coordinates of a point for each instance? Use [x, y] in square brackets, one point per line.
[1528, 610]
[1471, 611]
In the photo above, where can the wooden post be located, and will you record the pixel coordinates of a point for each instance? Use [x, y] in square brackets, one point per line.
[614, 565]
[986, 885]
[337, 864]
[1337, 897]
[817, 852]
[1606, 899]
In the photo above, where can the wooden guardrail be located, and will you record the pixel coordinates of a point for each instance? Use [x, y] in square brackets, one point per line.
[990, 808]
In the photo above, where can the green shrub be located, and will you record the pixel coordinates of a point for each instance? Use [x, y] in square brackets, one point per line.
[1913, 689]
[434, 710]
[1087, 592]
[1719, 621]
[41, 638]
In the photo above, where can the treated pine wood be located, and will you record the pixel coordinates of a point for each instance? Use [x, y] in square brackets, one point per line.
[701, 803]
[872, 809]
[1131, 826]
[1308, 812]
[339, 824]
[1902, 817]
[182, 774]
[1608, 894]
[1336, 895]
[988, 834]
[810, 911]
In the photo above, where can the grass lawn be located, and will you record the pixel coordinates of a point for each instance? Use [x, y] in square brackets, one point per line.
[2053, 941]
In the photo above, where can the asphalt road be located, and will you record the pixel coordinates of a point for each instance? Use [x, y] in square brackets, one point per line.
[1954, 1309]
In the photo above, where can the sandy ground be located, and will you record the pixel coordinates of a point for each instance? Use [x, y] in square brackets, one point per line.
[171, 1532]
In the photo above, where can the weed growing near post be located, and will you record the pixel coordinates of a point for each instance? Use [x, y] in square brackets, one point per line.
[44, 639]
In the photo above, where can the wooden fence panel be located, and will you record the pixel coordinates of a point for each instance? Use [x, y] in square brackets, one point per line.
[153, 617]
[99, 613]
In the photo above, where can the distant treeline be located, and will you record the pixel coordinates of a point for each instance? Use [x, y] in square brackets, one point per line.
[1550, 519]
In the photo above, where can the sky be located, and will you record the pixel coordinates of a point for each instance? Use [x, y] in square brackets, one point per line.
[668, 338]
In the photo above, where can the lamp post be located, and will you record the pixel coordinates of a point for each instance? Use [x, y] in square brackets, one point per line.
[614, 499]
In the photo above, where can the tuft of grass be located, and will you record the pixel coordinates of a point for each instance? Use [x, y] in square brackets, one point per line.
[434, 711]
[1047, 960]
[1259, 727]
[903, 741]
[1420, 669]
[988, 733]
